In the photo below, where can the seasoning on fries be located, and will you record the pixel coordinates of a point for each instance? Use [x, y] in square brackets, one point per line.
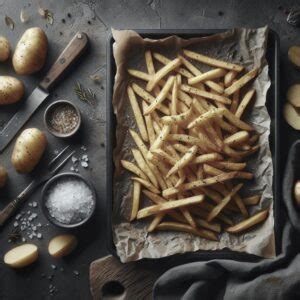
[192, 144]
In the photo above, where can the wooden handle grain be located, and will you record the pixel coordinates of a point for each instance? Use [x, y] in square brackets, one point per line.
[73, 50]
[8, 210]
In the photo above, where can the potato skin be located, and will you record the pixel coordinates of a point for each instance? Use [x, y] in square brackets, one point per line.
[4, 48]
[3, 176]
[31, 51]
[28, 150]
[11, 90]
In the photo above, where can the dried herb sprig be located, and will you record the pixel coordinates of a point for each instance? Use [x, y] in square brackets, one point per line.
[86, 95]
[15, 235]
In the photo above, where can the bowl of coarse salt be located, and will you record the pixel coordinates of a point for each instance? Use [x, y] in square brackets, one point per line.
[68, 200]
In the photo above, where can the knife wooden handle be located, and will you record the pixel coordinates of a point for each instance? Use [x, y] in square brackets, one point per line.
[73, 50]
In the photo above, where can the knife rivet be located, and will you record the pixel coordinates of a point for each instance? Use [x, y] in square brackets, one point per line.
[47, 79]
[79, 36]
[62, 60]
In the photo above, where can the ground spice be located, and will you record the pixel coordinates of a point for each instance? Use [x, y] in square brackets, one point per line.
[63, 118]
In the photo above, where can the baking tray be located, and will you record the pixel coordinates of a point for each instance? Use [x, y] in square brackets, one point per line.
[272, 104]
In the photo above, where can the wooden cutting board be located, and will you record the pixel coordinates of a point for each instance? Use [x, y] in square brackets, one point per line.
[110, 279]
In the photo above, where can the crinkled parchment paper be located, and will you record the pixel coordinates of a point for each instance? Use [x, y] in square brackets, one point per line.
[243, 46]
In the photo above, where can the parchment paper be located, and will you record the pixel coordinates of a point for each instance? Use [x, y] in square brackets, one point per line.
[243, 46]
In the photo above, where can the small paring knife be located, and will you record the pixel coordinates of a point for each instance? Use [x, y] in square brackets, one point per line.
[69, 55]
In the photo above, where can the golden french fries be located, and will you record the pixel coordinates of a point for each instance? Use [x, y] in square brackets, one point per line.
[191, 145]
[250, 222]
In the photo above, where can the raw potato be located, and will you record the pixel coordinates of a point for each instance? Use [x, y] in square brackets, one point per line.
[31, 51]
[4, 48]
[62, 245]
[11, 90]
[291, 116]
[293, 95]
[21, 256]
[294, 55]
[3, 176]
[28, 150]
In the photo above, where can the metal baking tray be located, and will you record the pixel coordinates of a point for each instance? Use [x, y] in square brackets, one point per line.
[273, 106]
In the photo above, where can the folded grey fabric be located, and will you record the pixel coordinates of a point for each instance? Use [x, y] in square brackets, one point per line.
[272, 279]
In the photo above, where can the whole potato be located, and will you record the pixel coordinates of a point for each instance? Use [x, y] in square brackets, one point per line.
[31, 51]
[28, 150]
[4, 48]
[11, 90]
[3, 176]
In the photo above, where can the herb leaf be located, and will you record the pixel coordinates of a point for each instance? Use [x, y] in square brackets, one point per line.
[86, 95]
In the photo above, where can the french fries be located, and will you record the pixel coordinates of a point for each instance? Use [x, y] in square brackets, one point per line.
[191, 145]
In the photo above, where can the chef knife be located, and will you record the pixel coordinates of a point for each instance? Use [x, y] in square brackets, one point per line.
[73, 50]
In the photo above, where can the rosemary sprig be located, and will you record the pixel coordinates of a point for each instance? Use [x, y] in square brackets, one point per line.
[86, 95]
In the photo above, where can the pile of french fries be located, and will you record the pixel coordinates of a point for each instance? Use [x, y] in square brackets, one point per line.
[192, 145]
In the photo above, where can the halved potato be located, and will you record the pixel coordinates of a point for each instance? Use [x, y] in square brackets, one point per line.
[291, 116]
[21, 256]
[294, 55]
[293, 95]
[62, 245]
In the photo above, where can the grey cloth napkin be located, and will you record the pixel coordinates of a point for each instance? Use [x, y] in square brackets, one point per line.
[272, 279]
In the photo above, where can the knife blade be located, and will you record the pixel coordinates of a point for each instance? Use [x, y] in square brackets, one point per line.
[22, 116]
[69, 55]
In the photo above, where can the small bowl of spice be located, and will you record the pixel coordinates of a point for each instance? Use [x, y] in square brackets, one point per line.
[68, 200]
[62, 118]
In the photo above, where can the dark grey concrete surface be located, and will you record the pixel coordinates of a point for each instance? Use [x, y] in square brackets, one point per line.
[96, 18]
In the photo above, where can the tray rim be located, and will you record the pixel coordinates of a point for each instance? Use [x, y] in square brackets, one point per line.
[204, 254]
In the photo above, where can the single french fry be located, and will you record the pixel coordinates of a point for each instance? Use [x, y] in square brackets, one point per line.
[244, 103]
[204, 94]
[149, 62]
[139, 74]
[196, 72]
[180, 148]
[206, 158]
[133, 168]
[235, 101]
[158, 200]
[146, 184]
[237, 138]
[149, 98]
[212, 61]
[135, 199]
[176, 119]
[236, 121]
[161, 97]
[174, 101]
[149, 125]
[172, 65]
[171, 204]
[239, 202]
[212, 74]
[238, 154]
[217, 209]
[179, 79]
[161, 138]
[156, 128]
[216, 227]
[143, 166]
[204, 182]
[227, 165]
[226, 126]
[156, 220]
[137, 114]
[166, 226]
[248, 223]
[241, 82]
[252, 200]
[164, 156]
[185, 160]
[206, 117]
[164, 60]
[229, 77]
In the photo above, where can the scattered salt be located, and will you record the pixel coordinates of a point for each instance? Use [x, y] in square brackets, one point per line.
[84, 164]
[74, 159]
[70, 201]
[16, 224]
[34, 204]
[39, 236]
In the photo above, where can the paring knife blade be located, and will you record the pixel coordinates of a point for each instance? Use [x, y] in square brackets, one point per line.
[68, 56]
[22, 116]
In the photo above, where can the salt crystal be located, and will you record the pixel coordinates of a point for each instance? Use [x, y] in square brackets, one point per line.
[53, 267]
[39, 236]
[83, 148]
[74, 159]
[72, 169]
[34, 228]
[39, 224]
[34, 204]
[18, 216]
[16, 224]
[30, 204]
[76, 170]
[84, 164]
[76, 272]
[23, 240]
[70, 201]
